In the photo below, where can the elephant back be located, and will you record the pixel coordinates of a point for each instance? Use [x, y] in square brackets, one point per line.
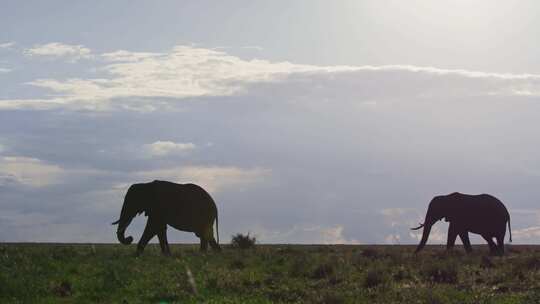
[186, 206]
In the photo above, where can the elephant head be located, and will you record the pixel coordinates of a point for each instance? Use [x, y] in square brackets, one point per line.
[439, 207]
[135, 202]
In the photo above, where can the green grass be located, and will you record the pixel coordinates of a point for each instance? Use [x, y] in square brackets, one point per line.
[45, 273]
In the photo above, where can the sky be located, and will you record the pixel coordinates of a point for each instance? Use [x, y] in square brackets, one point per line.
[307, 121]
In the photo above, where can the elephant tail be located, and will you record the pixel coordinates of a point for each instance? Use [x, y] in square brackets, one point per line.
[217, 227]
[509, 230]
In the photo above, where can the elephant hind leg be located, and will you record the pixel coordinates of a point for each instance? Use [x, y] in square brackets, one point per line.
[492, 246]
[500, 244]
[201, 234]
[208, 236]
[204, 244]
[214, 244]
[162, 236]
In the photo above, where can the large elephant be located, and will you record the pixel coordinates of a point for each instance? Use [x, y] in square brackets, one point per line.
[186, 207]
[481, 214]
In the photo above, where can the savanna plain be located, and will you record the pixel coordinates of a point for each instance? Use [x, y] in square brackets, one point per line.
[107, 273]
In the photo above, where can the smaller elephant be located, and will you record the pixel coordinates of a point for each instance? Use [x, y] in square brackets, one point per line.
[186, 207]
[481, 214]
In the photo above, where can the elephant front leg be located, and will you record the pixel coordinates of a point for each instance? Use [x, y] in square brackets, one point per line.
[452, 235]
[162, 236]
[147, 235]
[464, 236]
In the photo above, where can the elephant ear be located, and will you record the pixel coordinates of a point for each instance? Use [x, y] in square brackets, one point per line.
[449, 218]
[151, 198]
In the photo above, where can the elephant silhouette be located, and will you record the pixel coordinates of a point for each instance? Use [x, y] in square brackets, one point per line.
[186, 207]
[481, 214]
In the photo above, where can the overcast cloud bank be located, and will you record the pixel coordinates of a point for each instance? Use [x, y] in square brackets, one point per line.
[291, 152]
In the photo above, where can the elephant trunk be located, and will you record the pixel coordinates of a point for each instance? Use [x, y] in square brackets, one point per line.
[123, 223]
[428, 222]
[425, 235]
[120, 233]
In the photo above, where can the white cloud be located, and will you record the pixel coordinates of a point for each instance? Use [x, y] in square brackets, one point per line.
[31, 104]
[183, 72]
[456, 72]
[28, 171]
[187, 71]
[392, 239]
[399, 216]
[436, 235]
[7, 45]
[56, 49]
[304, 234]
[163, 148]
[122, 55]
[212, 178]
[246, 47]
[46, 227]
[529, 234]
[334, 235]
[402, 219]
[5, 70]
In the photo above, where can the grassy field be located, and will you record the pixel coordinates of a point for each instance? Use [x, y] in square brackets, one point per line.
[46, 273]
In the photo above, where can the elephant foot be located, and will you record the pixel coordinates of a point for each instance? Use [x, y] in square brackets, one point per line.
[203, 247]
[215, 246]
[496, 252]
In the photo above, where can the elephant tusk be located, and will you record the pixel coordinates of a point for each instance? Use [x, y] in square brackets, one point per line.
[421, 225]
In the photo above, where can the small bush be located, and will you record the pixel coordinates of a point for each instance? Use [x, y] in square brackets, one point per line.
[286, 294]
[229, 280]
[511, 249]
[532, 263]
[370, 253]
[533, 296]
[238, 264]
[521, 268]
[401, 274]
[63, 289]
[332, 298]
[299, 268]
[441, 273]
[374, 278]
[323, 271]
[486, 262]
[242, 241]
